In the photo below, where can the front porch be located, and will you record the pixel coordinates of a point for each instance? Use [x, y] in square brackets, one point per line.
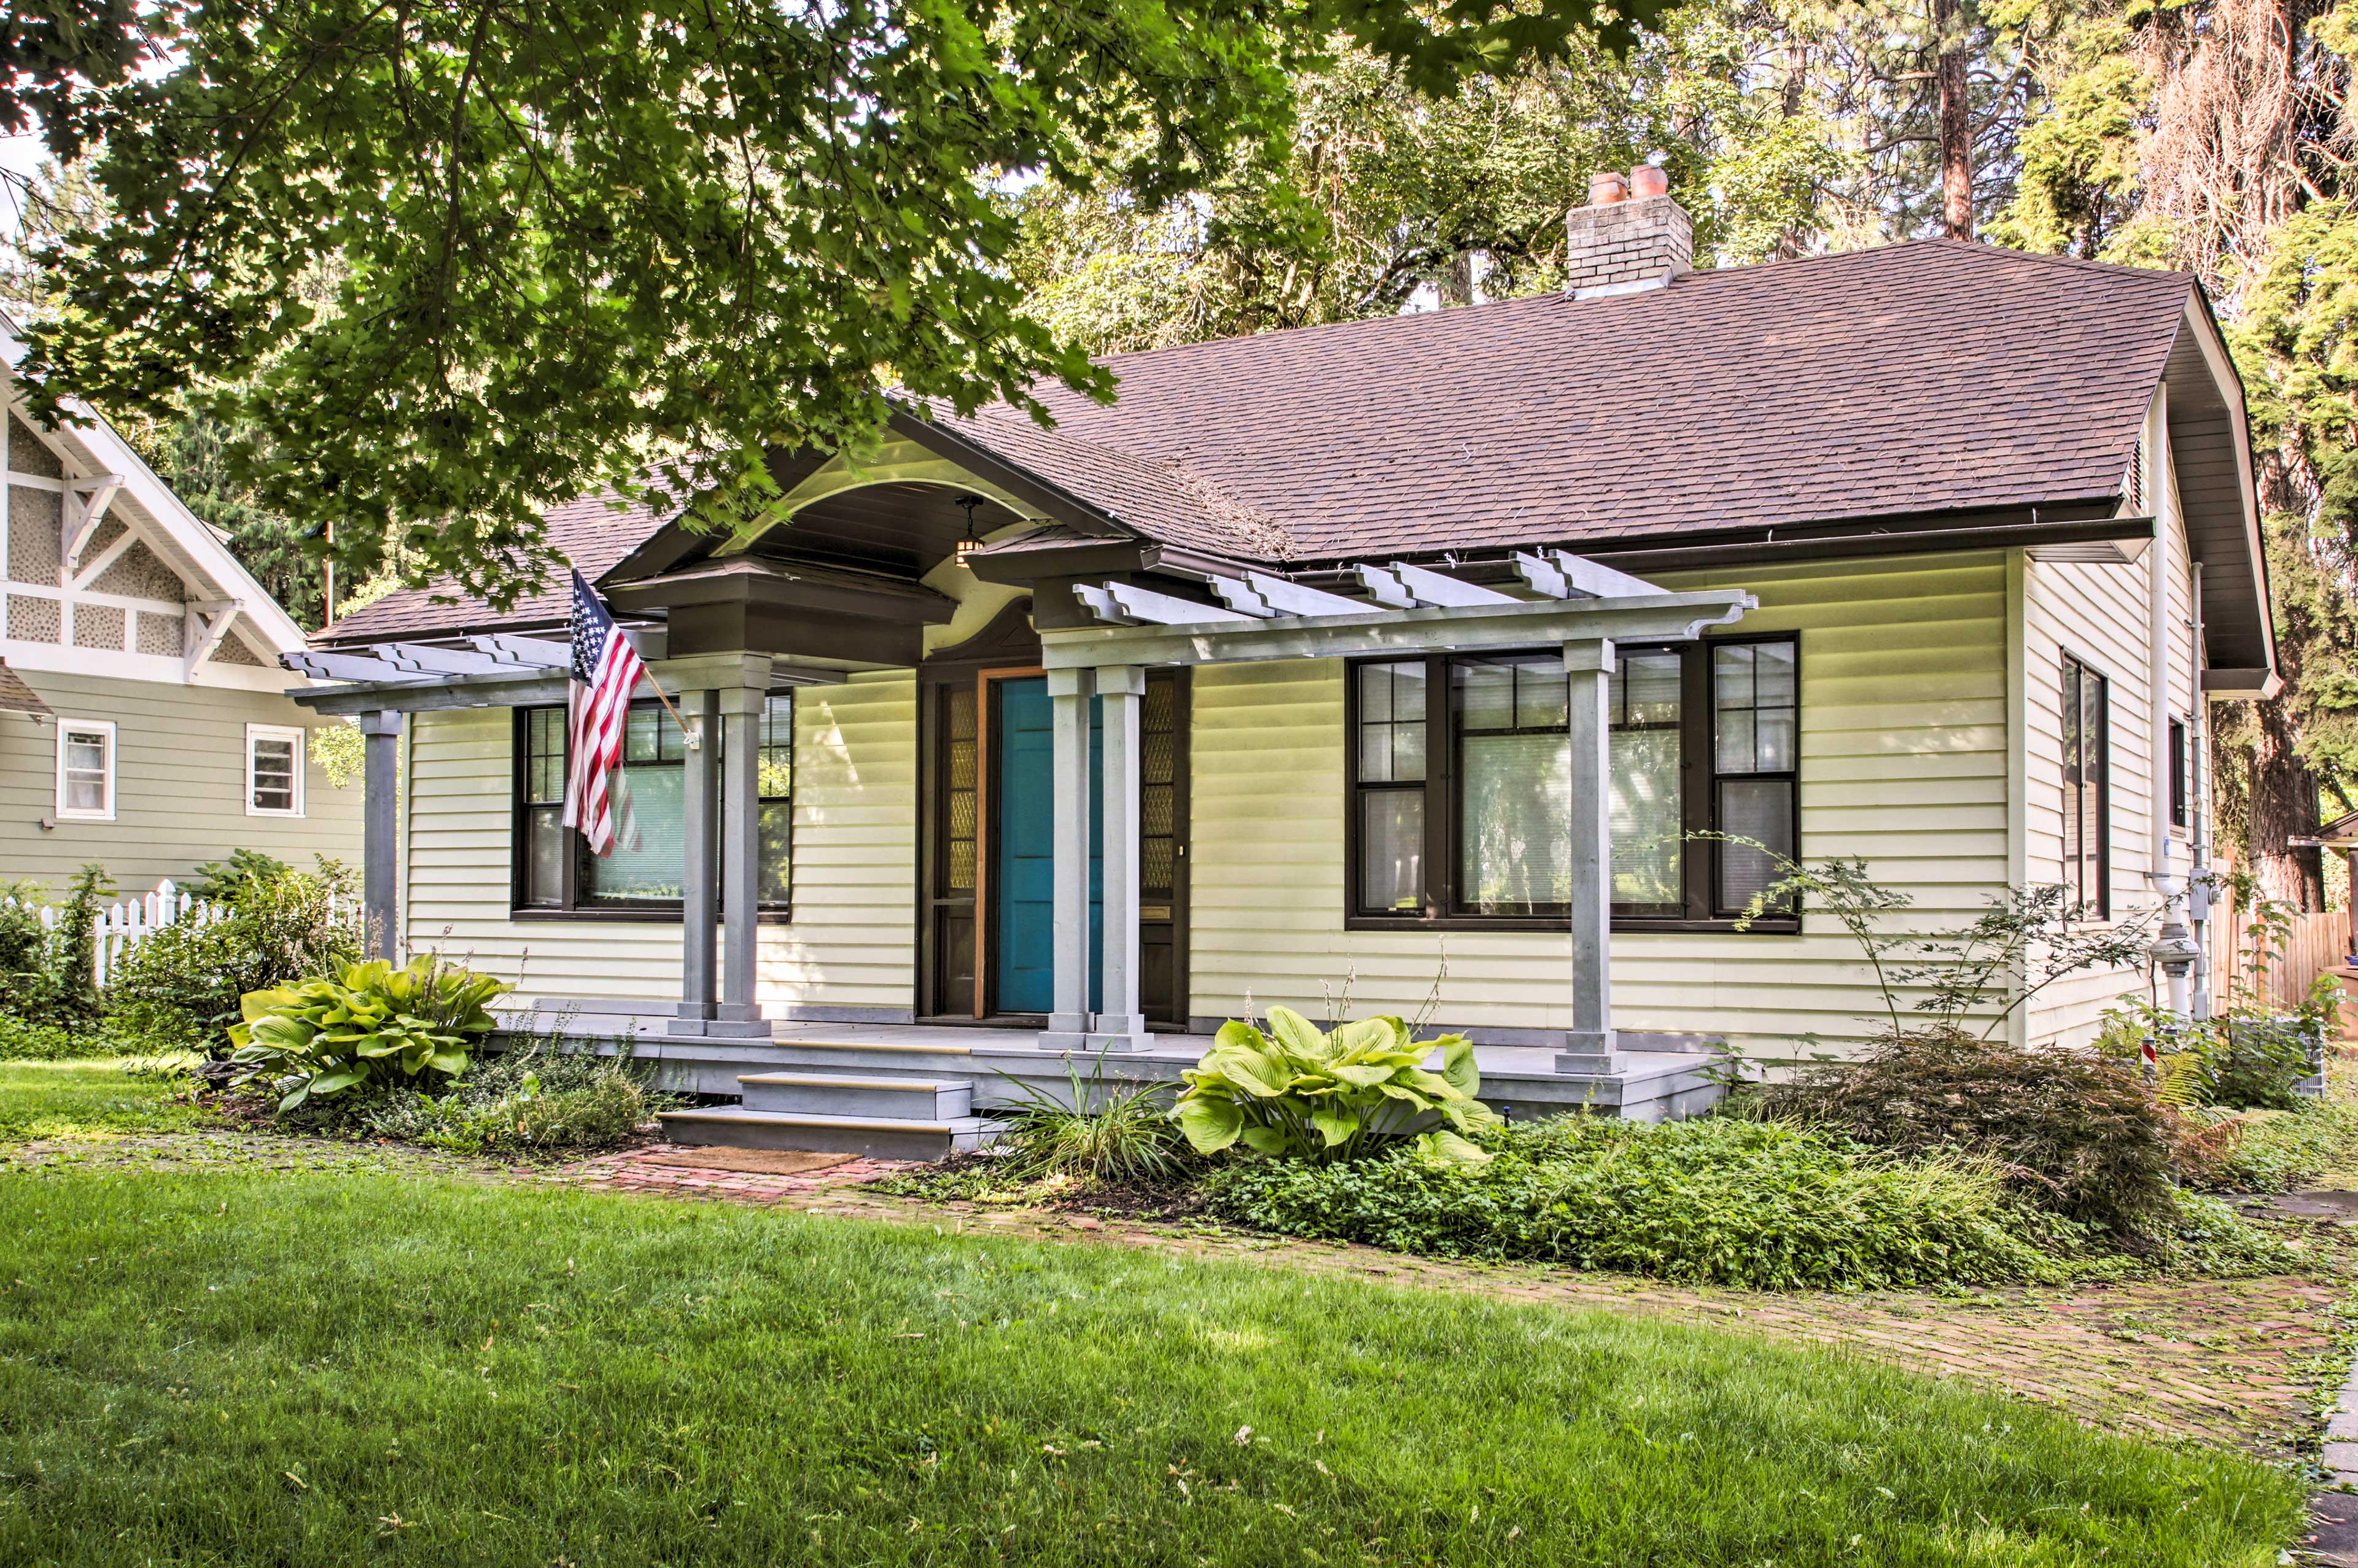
[921, 1091]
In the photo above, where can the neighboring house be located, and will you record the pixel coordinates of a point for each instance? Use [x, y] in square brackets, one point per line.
[144, 719]
[1422, 649]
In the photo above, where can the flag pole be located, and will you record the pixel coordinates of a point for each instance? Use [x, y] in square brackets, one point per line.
[695, 738]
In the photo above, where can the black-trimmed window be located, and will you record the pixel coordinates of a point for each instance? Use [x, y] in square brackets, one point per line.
[1461, 784]
[2087, 787]
[2181, 772]
[554, 868]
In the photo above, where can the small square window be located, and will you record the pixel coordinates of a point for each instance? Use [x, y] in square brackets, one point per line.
[85, 770]
[273, 771]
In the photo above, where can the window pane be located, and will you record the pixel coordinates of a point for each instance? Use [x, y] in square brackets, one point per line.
[86, 751]
[1376, 753]
[1485, 696]
[543, 777]
[1647, 688]
[777, 839]
[1648, 822]
[1392, 850]
[1376, 693]
[1731, 676]
[1407, 751]
[643, 735]
[85, 792]
[1772, 671]
[1543, 693]
[1772, 740]
[1761, 810]
[657, 867]
[1738, 746]
[545, 841]
[1515, 823]
[274, 774]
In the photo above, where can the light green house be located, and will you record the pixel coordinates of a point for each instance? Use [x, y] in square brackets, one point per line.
[145, 721]
[1403, 664]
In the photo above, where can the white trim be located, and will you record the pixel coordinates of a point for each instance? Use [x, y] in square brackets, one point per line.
[95, 567]
[295, 739]
[115, 665]
[71, 727]
[112, 601]
[35, 481]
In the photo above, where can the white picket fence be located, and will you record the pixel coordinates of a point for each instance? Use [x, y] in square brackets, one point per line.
[117, 930]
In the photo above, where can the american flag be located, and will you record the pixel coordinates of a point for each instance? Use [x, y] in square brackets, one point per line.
[606, 669]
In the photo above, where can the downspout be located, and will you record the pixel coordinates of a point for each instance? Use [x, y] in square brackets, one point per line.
[2174, 951]
[2198, 742]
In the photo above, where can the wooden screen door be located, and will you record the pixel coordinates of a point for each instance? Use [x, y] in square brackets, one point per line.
[988, 875]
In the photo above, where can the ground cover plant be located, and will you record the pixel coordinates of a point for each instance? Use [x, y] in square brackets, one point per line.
[533, 1098]
[314, 1370]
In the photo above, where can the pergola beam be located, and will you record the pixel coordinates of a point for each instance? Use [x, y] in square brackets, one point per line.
[1510, 624]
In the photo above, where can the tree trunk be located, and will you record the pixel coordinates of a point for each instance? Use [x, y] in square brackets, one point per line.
[2284, 806]
[1956, 124]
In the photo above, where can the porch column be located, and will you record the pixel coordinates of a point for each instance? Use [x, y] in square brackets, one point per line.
[1068, 694]
[741, 859]
[380, 831]
[1120, 1024]
[1588, 1046]
[700, 821]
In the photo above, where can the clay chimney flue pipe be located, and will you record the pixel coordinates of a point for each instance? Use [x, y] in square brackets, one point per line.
[1647, 180]
[1606, 190]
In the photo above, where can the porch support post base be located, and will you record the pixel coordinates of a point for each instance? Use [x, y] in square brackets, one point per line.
[1588, 1054]
[1054, 1039]
[1113, 1034]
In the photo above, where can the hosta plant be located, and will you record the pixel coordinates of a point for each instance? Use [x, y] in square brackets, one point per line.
[371, 1024]
[1303, 1092]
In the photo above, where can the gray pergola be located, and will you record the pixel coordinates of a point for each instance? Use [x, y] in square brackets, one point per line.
[1574, 604]
[1582, 607]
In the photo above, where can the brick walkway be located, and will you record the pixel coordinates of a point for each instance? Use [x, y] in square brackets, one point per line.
[2218, 1361]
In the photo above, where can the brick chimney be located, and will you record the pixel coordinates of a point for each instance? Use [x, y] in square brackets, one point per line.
[1630, 237]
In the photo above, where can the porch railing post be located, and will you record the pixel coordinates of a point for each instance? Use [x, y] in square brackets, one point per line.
[740, 858]
[1120, 1024]
[699, 822]
[380, 831]
[1068, 694]
[1589, 1046]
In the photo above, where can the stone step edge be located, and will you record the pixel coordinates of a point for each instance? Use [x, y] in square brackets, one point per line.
[844, 1081]
[804, 1118]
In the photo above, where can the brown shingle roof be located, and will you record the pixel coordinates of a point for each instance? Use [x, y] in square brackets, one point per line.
[1920, 377]
[591, 532]
[15, 697]
[1917, 378]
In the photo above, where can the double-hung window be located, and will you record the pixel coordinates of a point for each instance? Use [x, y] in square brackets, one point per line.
[2087, 779]
[273, 771]
[644, 873]
[85, 770]
[1462, 785]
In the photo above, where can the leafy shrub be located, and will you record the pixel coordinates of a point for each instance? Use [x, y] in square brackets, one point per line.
[1120, 1132]
[21, 1041]
[2205, 1236]
[183, 987]
[2247, 1059]
[1756, 1204]
[1301, 1092]
[536, 1100]
[361, 1029]
[228, 882]
[2071, 1133]
[48, 976]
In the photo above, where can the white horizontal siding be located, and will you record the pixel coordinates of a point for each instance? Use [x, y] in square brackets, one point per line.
[1903, 761]
[848, 944]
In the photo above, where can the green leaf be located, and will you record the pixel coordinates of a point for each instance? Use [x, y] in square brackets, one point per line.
[1457, 1065]
[1297, 1034]
[1211, 1125]
[1270, 1140]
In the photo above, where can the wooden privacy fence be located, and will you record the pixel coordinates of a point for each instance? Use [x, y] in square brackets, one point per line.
[2313, 945]
[115, 931]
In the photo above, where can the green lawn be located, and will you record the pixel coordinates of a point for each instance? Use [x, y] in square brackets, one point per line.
[60, 1099]
[309, 1368]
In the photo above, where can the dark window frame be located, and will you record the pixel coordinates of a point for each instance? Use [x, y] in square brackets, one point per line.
[2180, 770]
[2075, 675]
[1698, 875]
[572, 905]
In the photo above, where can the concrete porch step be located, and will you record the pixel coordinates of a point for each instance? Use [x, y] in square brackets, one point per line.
[880, 1137]
[845, 1094]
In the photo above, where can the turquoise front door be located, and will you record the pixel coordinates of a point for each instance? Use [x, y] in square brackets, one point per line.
[1023, 867]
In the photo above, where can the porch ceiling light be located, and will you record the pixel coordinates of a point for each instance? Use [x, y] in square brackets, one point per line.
[971, 541]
